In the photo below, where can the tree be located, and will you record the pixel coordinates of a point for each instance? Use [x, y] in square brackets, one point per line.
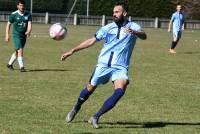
[195, 12]
[191, 7]
[47, 6]
[150, 8]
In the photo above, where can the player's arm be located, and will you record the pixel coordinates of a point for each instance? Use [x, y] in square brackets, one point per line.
[29, 28]
[85, 44]
[140, 34]
[170, 22]
[170, 26]
[7, 34]
[183, 26]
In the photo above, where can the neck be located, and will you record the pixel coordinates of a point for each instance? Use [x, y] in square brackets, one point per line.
[21, 12]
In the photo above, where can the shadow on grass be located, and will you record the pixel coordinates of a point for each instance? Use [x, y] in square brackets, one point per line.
[50, 70]
[189, 52]
[146, 124]
[142, 124]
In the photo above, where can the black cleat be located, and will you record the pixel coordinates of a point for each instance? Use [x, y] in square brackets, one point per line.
[22, 69]
[10, 67]
[71, 115]
[94, 121]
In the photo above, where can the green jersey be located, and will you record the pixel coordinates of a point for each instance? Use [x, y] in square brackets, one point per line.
[20, 22]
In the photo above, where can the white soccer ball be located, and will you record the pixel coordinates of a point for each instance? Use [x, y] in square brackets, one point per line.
[57, 31]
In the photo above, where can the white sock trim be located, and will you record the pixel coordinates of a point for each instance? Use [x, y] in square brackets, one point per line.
[20, 61]
[12, 59]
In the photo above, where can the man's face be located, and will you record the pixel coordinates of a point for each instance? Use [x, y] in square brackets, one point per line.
[179, 8]
[118, 13]
[21, 7]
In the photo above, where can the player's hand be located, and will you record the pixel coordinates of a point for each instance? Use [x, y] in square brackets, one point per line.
[28, 34]
[129, 30]
[7, 38]
[66, 54]
[169, 30]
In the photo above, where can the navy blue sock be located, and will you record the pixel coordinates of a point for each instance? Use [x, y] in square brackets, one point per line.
[174, 43]
[84, 95]
[110, 102]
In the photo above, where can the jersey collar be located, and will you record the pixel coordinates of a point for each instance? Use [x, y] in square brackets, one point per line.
[21, 14]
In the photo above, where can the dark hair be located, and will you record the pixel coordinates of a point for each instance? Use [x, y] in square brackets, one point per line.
[123, 4]
[21, 2]
[178, 4]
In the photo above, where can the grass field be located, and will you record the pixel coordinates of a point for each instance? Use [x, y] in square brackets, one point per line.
[163, 96]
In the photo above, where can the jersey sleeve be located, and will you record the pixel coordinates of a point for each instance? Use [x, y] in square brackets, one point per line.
[135, 27]
[173, 17]
[30, 17]
[101, 34]
[183, 18]
[11, 18]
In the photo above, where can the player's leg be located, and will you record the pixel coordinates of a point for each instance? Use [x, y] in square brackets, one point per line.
[19, 45]
[120, 83]
[12, 60]
[176, 37]
[20, 59]
[98, 77]
[84, 95]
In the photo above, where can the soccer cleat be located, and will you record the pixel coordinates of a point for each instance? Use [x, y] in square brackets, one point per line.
[10, 67]
[172, 51]
[22, 69]
[94, 121]
[71, 115]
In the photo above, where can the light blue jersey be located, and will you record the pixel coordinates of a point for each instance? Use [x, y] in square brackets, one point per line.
[114, 58]
[118, 45]
[178, 19]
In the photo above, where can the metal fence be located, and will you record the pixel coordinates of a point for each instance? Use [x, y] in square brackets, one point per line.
[75, 19]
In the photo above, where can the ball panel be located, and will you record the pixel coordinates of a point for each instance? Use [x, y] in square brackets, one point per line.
[57, 31]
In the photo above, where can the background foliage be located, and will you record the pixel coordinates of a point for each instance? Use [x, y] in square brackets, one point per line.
[137, 8]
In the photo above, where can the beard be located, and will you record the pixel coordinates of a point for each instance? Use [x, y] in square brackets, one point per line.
[119, 20]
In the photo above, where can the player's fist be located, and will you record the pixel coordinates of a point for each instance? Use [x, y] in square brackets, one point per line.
[7, 38]
[28, 34]
[66, 54]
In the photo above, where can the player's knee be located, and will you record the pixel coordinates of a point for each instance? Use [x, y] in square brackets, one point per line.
[121, 84]
[91, 88]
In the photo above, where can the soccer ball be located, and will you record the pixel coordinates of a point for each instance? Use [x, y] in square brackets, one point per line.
[57, 31]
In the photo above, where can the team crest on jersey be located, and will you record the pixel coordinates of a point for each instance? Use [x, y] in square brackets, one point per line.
[26, 18]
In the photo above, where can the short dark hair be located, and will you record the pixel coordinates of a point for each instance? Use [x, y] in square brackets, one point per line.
[21, 2]
[123, 4]
[178, 4]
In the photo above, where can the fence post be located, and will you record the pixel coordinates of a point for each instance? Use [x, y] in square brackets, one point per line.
[75, 19]
[103, 23]
[129, 18]
[46, 18]
[156, 23]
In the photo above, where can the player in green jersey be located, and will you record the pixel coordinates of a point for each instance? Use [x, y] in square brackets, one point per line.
[22, 26]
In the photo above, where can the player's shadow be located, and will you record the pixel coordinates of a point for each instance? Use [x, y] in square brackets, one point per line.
[195, 52]
[145, 124]
[46, 70]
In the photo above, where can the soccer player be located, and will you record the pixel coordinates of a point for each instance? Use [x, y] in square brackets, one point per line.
[113, 62]
[21, 20]
[177, 20]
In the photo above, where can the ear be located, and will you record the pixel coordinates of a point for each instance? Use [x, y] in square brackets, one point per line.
[124, 13]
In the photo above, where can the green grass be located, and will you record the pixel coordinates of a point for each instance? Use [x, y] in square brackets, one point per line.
[163, 96]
